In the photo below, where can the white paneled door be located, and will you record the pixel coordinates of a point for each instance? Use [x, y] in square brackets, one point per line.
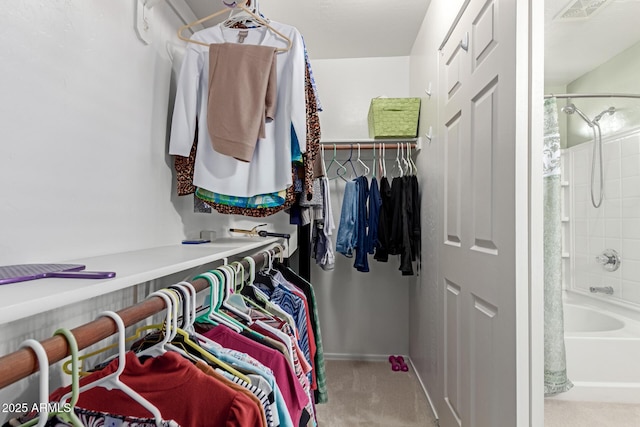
[477, 115]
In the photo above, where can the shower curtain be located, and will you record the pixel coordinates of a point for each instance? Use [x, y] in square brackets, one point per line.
[555, 363]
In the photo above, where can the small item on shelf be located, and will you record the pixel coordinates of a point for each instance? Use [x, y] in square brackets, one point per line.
[262, 233]
[24, 272]
[208, 235]
[394, 117]
[195, 241]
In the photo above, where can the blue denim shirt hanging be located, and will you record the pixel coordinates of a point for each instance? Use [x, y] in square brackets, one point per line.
[347, 230]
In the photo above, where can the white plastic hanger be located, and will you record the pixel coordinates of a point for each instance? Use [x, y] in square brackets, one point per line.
[367, 171]
[266, 255]
[188, 307]
[374, 163]
[238, 268]
[240, 283]
[43, 364]
[407, 161]
[414, 167]
[383, 160]
[112, 381]
[237, 300]
[398, 162]
[234, 269]
[252, 269]
[183, 293]
[193, 304]
[324, 166]
[170, 323]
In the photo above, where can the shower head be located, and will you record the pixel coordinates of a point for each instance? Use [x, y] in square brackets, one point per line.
[609, 111]
[571, 108]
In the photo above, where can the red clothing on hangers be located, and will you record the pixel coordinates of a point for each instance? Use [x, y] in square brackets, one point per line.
[179, 390]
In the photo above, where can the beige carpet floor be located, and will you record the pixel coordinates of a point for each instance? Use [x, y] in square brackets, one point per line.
[559, 413]
[371, 394]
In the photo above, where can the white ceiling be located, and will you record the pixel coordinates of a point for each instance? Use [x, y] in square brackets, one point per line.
[375, 28]
[573, 48]
[341, 28]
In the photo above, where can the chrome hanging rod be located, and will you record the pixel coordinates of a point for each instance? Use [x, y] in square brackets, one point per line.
[371, 145]
[592, 95]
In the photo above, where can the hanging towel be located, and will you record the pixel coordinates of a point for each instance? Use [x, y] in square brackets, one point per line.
[242, 95]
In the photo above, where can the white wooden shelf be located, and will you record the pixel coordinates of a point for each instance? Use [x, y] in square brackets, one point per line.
[367, 140]
[24, 299]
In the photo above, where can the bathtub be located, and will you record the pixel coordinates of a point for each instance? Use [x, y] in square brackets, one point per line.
[603, 350]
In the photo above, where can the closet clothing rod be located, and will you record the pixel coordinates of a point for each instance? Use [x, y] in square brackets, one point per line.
[592, 95]
[22, 363]
[366, 146]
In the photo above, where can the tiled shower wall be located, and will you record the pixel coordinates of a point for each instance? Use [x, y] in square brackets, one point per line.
[615, 225]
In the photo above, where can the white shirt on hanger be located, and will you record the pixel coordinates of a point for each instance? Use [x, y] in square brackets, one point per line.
[270, 168]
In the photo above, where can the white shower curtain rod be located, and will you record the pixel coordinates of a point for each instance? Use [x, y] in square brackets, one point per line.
[592, 95]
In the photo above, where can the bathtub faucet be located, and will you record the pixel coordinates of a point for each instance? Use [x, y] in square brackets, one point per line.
[605, 290]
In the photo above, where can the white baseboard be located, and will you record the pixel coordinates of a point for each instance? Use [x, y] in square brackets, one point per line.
[426, 392]
[363, 357]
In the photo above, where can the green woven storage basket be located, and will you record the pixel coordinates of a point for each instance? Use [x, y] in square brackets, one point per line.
[394, 117]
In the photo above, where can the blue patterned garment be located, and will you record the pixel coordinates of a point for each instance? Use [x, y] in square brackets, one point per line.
[96, 419]
[313, 80]
[260, 201]
[294, 305]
